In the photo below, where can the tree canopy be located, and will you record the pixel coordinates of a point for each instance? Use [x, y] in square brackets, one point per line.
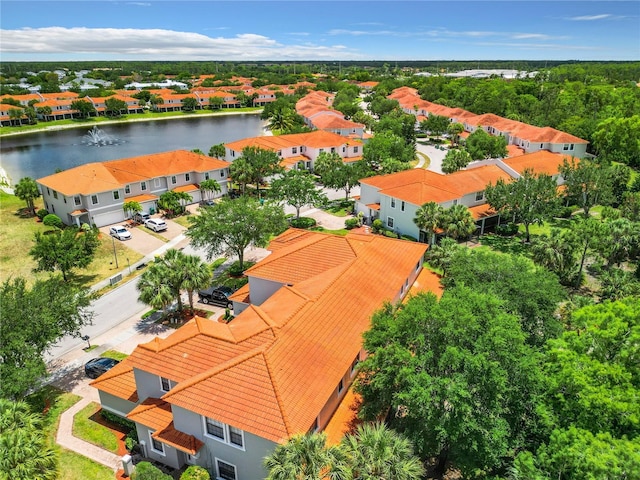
[339, 175]
[297, 188]
[27, 189]
[233, 225]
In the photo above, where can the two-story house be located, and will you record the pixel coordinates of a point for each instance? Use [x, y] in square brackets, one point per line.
[395, 198]
[315, 108]
[299, 150]
[223, 395]
[95, 193]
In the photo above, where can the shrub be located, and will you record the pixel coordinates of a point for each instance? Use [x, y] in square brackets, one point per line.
[350, 223]
[566, 212]
[118, 420]
[234, 269]
[42, 213]
[194, 472]
[52, 220]
[377, 226]
[390, 234]
[146, 471]
[303, 222]
[507, 229]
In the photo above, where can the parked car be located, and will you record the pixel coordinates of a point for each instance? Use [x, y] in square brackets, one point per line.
[97, 366]
[141, 217]
[156, 224]
[218, 295]
[120, 232]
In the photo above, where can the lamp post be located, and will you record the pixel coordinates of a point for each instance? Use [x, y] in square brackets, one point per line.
[113, 240]
[129, 265]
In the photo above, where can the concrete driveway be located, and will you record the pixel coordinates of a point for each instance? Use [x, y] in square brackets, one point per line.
[435, 155]
[145, 241]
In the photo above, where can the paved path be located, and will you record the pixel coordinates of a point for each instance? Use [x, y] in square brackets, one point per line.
[66, 439]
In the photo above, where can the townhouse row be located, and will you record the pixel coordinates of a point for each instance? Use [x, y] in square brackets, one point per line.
[224, 395]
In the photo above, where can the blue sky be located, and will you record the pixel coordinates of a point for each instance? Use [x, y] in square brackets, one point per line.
[319, 30]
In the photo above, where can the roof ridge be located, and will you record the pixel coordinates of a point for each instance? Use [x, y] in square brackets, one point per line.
[232, 362]
[276, 392]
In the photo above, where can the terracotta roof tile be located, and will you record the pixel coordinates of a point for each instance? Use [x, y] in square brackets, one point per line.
[179, 440]
[427, 281]
[119, 381]
[542, 161]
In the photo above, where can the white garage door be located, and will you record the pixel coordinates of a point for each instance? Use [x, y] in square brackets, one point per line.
[108, 218]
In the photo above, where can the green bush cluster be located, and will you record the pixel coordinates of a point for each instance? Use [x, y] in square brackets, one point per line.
[507, 229]
[194, 472]
[42, 213]
[303, 222]
[351, 223]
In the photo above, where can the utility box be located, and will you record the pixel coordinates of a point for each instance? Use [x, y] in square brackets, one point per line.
[127, 465]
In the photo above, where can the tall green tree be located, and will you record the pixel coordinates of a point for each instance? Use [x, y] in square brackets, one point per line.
[457, 222]
[27, 189]
[173, 202]
[33, 319]
[428, 219]
[481, 145]
[338, 175]
[377, 452]
[530, 199]
[307, 457]
[258, 164]
[64, 250]
[197, 275]
[234, 225]
[131, 208]
[588, 183]
[189, 104]
[154, 289]
[83, 107]
[617, 139]
[558, 253]
[114, 107]
[209, 188]
[455, 159]
[435, 124]
[454, 130]
[297, 188]
[26, 455]
[387, 144]
[217, 151]
[507, 277]
[455, 376]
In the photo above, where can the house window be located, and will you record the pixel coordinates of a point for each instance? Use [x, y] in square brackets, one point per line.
[55, 194]
[322, 150]
[355, 149]
[279, 153]
[455, 202]
[417, 266]
[541, 145]
[567, 147]
[94, 199]
[221, 173]
[156, 182]
[344, 149]
[187, 177]
[173, 180]
[402, 206]
[340, 386]
[355, 363]
[236, 437]
[48, 191]
[156, 445]
[390, 222]
[206, 175]
[226, 471]
[393, 203]
[143, 186]
[215, 428]
[233, 154]
[480, 196]
[294, 149]
[165, 385]
[77, 201]
[116, 195]
[333, 149]
[127, 189]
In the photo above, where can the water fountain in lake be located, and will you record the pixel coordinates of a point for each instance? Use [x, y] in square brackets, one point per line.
[97, 138]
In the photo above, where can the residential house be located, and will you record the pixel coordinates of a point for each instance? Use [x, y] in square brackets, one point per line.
[528, 137]
[315, 108]
[223, 395]
[395, 198]
[300, 150]
[95, 193]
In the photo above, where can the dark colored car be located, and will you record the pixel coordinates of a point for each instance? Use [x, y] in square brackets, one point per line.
[97, 366]
[216, 296]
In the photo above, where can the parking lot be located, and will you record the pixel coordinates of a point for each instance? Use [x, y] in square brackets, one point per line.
[145, 241]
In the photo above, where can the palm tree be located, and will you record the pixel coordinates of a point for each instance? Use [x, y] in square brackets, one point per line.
[174, 262]
[376, 452]
[457, 222]
[426, 219]
[455, 129]
[27, 189]
[209, 186]
[558, 253]
[282, 120]
[307, 457]
[26, 454]
[197, 275]
[153, 288]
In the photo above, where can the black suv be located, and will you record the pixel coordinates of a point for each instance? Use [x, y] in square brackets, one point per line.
[217, 296]
[97, 366]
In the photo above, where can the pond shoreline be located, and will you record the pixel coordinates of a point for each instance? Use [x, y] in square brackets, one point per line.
[53, 128]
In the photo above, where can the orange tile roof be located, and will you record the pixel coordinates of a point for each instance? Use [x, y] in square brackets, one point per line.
[145, 197]
[345, 418]
[271, 370]
[100, 177]
[482, 211]
[315, 139]
[426, 282]
[541, 161]
[119, 381]
[179, 440]
[186, 188]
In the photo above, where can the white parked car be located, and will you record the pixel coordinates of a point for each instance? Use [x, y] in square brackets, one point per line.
[120, 232]
[156, 224]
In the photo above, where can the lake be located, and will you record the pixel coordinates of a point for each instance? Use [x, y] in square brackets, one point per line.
[40, 154]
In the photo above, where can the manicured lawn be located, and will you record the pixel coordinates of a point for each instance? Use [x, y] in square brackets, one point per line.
[51, 402]
[183, 220]
[114, 354]
[17, 239]
[153, 234]
[340, 208]
[86, 428]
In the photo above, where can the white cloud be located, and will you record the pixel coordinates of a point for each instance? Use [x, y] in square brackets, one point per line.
[150, 44]
[589, 18]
